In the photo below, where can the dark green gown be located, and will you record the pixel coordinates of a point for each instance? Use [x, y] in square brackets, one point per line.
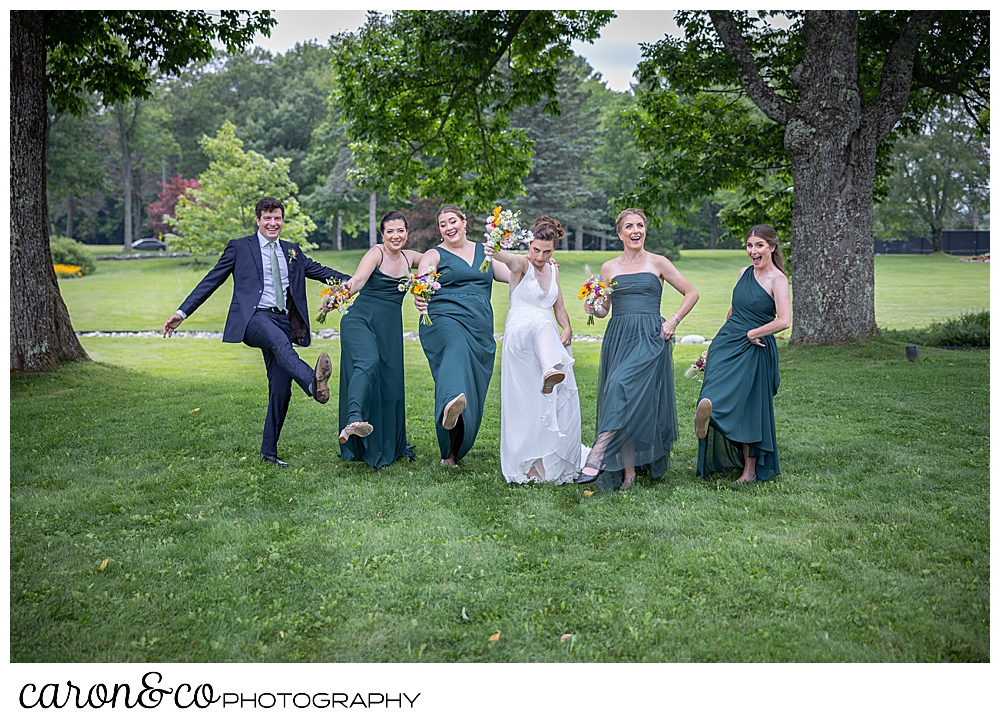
[459, 344]
[741, 379]
[371, 373]
[636, 409]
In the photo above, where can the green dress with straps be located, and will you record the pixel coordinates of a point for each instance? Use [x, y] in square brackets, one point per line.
[459, 343]
[371, 373]
[741, 379]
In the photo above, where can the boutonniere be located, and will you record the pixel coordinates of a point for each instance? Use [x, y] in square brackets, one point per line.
[292, 254]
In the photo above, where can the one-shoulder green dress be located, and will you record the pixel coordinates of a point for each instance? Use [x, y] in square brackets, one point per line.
[741, 379]
[371, 373]
[636, 409]
[459, 343]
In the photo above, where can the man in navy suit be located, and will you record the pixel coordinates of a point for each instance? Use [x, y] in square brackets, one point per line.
[267, 312]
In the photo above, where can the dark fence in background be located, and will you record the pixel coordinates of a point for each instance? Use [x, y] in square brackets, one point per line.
[956, 243]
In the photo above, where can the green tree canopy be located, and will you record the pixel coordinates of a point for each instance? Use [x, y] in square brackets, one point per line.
[426, 96]
[939, 177]
[223, 207]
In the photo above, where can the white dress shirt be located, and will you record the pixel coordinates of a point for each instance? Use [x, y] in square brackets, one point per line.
[268, 298]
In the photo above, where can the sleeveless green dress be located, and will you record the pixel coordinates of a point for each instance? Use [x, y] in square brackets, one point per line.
[459, 344]
[371, 373]
[636, 408]
[741, 379]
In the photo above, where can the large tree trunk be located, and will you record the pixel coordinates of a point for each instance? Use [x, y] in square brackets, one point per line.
[70, 207]
[833, 167]
[713, 225]
[338, 233]
[372, 227]
[41, 335]
[937, 233]
[832, 136]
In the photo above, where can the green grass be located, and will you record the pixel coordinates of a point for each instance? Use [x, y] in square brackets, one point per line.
[872, 546]
[910, 291]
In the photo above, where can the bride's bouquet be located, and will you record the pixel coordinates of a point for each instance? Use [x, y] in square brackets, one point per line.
[697, 370]
[334, 296]
[503, 231]
[422, 285]
[595, 290]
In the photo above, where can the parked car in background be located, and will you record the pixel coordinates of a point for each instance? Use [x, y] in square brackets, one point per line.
[149, 244]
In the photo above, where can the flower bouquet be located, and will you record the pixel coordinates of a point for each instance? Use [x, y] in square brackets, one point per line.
[422, 285]
[503, 231]
[595, 290]
[697, 370]
[334, 296]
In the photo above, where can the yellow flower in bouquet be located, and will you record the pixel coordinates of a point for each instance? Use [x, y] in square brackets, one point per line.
[334, 297]
[595, 290]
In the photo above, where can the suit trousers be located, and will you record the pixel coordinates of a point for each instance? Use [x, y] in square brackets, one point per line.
[272, 334]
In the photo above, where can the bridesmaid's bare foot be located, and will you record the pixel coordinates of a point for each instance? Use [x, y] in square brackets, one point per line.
[449, 462]
[743, 479]
[452, 411]
[627, 482]
[701, 418]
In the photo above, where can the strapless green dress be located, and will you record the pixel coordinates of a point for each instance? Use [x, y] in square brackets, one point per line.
[636, 408]
[459, 344]
[741, 379]
[372, 388]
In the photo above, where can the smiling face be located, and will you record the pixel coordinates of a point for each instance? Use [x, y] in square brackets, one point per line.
[759, 252]
[270, 223]
[632, 232]
[394, 234]
[452, 227]
[540, 251]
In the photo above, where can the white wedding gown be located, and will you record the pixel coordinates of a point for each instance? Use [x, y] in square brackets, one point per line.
[537, 430]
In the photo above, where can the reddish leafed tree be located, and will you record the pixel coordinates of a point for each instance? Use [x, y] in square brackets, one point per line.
[166, 201]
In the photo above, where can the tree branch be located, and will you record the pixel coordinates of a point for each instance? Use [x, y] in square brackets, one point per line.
[897, 73]
[773, 105]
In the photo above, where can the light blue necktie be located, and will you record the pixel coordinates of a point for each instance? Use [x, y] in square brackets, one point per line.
[279, 295]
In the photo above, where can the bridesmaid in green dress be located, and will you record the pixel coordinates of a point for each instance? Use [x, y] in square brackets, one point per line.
[636, 411]
[734, 423]
[372, 394]
[459, 343]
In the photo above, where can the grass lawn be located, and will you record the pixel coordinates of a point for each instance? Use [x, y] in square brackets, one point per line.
[872, 546]
[910, 291]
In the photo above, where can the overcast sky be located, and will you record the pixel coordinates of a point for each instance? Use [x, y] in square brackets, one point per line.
[614, 54]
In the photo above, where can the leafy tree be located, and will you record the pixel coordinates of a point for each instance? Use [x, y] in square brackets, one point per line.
[562, 181]
[166, 202]
[144, 142]
[222, 207]
[75, 166]
[275, 102]
[426, 96]
[829, 92]
[939, 176]
[63, 56]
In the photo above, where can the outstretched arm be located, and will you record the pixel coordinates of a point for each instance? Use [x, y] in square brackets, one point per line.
[413, 257]
[501, 272]
[205, 288]
[517, 263]
[368, 264]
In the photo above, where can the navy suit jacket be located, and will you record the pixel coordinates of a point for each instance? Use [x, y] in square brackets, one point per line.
[242, 260]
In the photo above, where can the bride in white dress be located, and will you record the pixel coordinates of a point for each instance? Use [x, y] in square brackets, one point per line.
[539, 407]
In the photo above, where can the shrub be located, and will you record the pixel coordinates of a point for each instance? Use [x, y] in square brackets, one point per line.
[969, 329]
[66, 251]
